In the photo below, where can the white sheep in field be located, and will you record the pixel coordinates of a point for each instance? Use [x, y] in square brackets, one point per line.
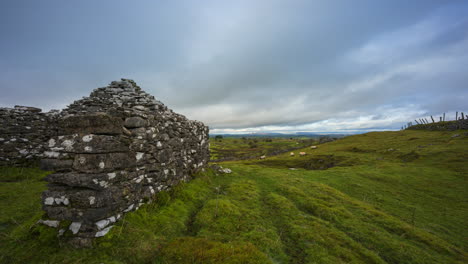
[302, 153]
[291, 154]
[262, 157]
[313, 147]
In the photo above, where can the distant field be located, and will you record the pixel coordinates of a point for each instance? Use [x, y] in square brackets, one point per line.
[381, 197]
[244, 148]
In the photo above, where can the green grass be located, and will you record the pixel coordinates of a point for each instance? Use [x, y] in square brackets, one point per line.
[386, 197]
[244, 148]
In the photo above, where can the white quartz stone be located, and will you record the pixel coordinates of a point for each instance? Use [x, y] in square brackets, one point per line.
[51, 223]
[87, 138]
[51, 143]
[102, 223]
[49, 201]
[51, 154]
[75, 227]
[139, 155]
[139, 178]
[68, 144]
[24, 152]
[103, 232]
[129, 208]
[61, 199]
[104, 184]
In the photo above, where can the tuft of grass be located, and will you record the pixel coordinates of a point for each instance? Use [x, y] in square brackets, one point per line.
[204, 251]
[20, 190]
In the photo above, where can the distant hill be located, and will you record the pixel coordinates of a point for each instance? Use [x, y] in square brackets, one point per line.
[286, 135]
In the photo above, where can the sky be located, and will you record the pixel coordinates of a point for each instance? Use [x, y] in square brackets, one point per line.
[248, 65]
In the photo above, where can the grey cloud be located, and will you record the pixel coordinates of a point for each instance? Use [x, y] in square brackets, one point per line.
[259, 64]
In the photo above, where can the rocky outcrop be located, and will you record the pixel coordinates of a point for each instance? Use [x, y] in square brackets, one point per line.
[110, 153]
[23, 131]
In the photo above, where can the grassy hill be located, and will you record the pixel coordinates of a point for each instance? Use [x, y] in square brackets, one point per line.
[243, 148]
[381, 197]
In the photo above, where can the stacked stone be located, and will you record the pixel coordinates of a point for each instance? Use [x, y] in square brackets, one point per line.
[23, 131]
[115, 149]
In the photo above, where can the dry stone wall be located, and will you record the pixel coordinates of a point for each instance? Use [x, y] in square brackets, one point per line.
[23, 131]
[110, 153]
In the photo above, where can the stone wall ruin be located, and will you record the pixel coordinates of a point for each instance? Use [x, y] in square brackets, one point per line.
[110, 153]
[23, 131]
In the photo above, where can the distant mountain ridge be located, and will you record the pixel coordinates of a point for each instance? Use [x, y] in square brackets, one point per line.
[295, 134]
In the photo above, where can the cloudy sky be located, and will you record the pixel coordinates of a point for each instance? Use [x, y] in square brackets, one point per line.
[245, 66]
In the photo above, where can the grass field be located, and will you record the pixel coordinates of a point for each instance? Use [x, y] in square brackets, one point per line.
[381, 197]
[244, 148]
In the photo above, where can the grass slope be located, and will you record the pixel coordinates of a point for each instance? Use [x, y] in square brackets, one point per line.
[244, 148]
[386, 197]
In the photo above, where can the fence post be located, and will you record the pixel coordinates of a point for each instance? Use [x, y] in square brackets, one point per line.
[432, 119]
[456, 115]
[444, 117]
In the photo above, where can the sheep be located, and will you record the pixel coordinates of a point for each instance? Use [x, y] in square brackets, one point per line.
[291, 154]
[302, 153]
[262, 157]
[313, 147]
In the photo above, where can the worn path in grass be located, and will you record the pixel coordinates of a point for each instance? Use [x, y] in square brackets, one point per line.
[387, 197]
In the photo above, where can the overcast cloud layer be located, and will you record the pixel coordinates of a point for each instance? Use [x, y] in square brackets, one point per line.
[245, 66]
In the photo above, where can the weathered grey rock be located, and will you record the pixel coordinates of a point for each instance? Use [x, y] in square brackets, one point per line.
[96, 123]
[135, 122]
[56, 164]
[108, 162]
